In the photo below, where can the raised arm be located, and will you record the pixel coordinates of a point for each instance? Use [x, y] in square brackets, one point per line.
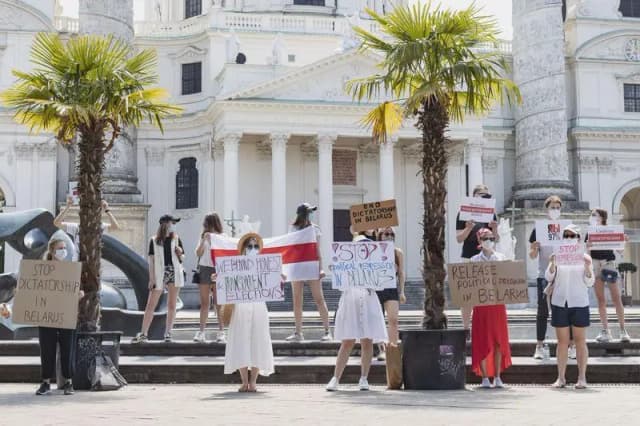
[114, 225]
[60, 218]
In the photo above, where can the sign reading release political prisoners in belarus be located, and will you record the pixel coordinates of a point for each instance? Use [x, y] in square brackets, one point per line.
[380, 214]
[488, 283]
[249, 279]
[47, 294]
[363, 264]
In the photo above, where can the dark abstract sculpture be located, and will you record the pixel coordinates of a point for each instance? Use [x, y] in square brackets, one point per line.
[28, 232]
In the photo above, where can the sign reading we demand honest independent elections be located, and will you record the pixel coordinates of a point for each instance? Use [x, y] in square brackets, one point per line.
[47, 294]
[380, 214]
[479, 210]
[488, 283]
[249, 279]
[363, 264]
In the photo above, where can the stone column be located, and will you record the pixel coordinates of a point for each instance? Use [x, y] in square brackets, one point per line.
[386, 172]
[231, 143]
[474, 161]
[325, 193]
[279, 183]
[542, 165]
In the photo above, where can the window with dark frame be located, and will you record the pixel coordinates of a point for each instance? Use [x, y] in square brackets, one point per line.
[309, 2]
[191, 78]
[632, 98]
[187, 184]
[630, 8]
[192, 8]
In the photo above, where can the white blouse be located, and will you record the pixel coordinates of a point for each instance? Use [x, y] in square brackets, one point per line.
[571, 285]
[205, 259]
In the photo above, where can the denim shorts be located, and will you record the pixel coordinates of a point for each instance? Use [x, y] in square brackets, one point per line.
[563, 316]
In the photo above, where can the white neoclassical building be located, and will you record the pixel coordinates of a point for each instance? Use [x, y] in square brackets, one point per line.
[267, 123]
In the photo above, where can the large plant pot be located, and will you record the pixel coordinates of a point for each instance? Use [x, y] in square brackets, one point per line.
[433, 359]
[88, 346]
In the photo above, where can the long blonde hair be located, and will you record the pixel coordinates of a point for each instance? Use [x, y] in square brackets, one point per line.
[51, 248]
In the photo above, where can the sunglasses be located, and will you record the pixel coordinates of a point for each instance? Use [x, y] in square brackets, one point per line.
[388, 234]
[570, 236]
[485, 195]
[488, 239]
[253, 246]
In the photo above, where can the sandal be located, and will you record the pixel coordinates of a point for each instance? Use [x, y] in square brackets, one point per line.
[559, 384]
[581, 384]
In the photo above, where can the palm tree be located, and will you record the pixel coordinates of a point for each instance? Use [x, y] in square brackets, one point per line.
[85, 91]
[436, 65]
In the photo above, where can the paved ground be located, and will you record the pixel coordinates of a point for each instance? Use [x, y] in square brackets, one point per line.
[310, 405]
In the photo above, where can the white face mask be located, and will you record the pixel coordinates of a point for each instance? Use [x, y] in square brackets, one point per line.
[488, 244]
[61, 254]
[554, 214]
[594, 221]
[172, 228]
[252, 252]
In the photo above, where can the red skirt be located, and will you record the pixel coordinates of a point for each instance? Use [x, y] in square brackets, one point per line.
[488, 330]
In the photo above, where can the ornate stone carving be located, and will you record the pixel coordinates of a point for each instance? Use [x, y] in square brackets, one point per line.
[47, 150]
[24, 151]
[412, 152]
[369, 151]
[490, 163]
[189, 52]
[309, 151]
[155, 155]
[632, 50]
[263, 149]
[595, 9]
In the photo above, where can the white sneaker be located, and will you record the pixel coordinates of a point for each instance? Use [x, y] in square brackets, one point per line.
[604, 336]
[382, 356]
[327, 337]
[199, 337]
[486, 383]
[572, 352]
[221, 337]
[539, 353]
[363, 384]
[332, 386]
[140, 338]
[624, 336]
[498, 383]
[295, 337]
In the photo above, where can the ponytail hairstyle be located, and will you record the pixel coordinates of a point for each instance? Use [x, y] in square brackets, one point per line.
[302, 221]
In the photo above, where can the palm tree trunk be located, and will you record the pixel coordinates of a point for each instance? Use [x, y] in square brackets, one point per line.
[433, 121]
[90, 166]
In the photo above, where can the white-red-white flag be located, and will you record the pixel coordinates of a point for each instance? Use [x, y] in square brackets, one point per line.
[299, 250]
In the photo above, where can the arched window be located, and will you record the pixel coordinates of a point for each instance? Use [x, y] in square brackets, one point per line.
[187, 184]
[630, 8]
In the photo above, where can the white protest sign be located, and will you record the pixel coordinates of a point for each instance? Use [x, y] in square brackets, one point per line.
[249, 279]
[569, 254]
[47, 294]
[549, 232]
[479, 210]
[73, 192]
[607, 237]
[363, 264]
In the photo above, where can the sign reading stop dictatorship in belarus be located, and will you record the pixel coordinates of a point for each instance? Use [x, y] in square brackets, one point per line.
[488, 283]
[479, 210]
[249, 279]
[569, 254]
[380, 214]
[363, 264]
[47, 294]
[607, 237]
[549, 232]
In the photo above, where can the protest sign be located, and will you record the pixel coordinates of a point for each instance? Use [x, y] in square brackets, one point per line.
[249, 279]
[569, 254]
[607, 237]
[363, 264]
[47, 294]
[380, 214]
[74, 193]
[479, 210]
[488, 283]
[549, 232]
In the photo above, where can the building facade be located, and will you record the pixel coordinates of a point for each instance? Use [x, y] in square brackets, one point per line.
[267, 123]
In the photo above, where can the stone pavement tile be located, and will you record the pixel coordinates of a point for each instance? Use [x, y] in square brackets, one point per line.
[312, 405]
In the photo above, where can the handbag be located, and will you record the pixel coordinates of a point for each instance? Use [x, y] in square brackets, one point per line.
[394, 366]
[196, 273]
[106, 376]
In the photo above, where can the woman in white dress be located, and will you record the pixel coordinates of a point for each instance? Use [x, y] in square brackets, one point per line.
[359, 318]
[249, 340]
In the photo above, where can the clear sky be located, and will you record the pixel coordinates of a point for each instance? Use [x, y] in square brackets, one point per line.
[501, 9]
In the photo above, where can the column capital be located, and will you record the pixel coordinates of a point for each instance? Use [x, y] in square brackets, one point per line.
[278, 141]
[24, 151]
[155, 155]
[47, 150]
[231, 141]
[326, 139]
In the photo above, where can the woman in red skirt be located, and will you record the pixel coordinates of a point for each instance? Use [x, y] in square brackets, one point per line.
[490, 351]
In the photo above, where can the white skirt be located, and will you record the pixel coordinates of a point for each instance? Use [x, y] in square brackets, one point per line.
[359, 316]
[249, 339]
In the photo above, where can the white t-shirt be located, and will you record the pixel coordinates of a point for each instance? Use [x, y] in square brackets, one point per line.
[205, 259]
[73, 229]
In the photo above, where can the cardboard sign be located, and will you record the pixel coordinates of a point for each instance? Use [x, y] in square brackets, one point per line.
[47, 293]
[488, 283]
[73, 192]
[608, 237]
[363, 264]
[380, 214]
[569, 254]
[479, 210]
[549, 232]
[249, 279]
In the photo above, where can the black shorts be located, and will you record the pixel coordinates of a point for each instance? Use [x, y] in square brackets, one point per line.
[565, 316]
[387, 294]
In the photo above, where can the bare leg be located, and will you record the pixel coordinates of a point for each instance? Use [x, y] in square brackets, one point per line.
[297, 288]
[152, 302]
[602, 303]
[392, 307]
[582, 352]
[366, 349]
[244, 376]
[343, 356]
[483, 368]
[497, 360]
[217, 307]
[171, 306]
[253, 379]
[466, 316]
[204, 305]
[562, 352]
[617, 302]
[318, 297]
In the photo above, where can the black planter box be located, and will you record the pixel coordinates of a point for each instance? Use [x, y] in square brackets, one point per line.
[433, 359]
[88, 346]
